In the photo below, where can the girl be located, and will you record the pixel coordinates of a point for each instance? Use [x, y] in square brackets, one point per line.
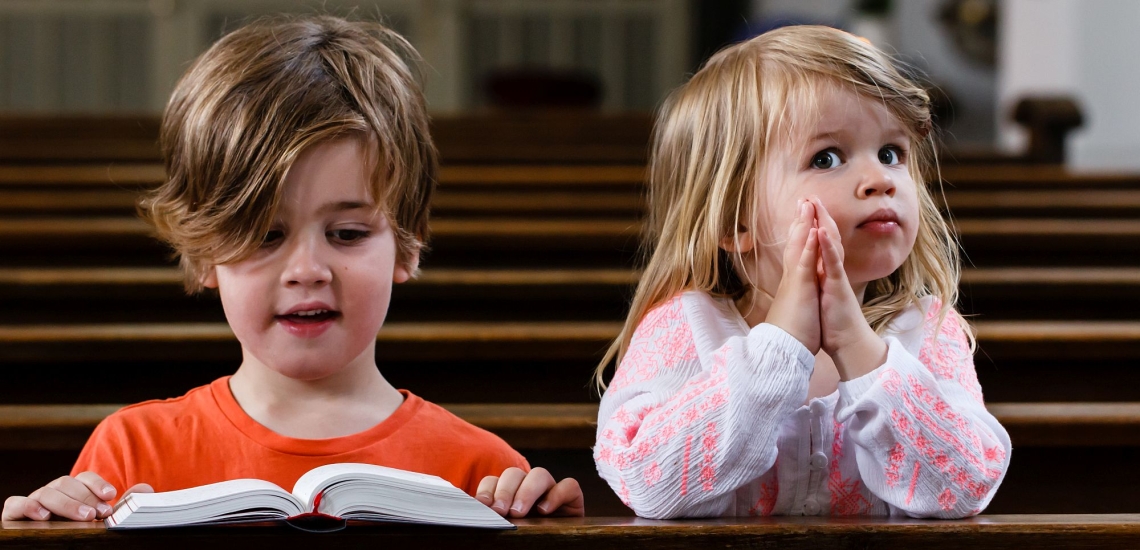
[792, 347]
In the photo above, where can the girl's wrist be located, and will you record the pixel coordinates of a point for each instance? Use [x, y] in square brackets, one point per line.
[860, 356]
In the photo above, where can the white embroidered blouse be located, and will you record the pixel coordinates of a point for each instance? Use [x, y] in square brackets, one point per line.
[706, 417]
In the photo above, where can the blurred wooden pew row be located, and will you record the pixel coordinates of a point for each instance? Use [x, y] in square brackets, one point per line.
[116, 294]
[519, 137]
[448, 341]
[517, 361]
[583, 190]
[565, 426]
[514, 242]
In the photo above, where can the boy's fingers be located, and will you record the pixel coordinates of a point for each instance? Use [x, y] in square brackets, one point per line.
[16, 508]
[139, 488]
[486, 491]
[64, 505]
[80, 492]
[97, 485]
[505, 490]
[533, 486]
[564, 499]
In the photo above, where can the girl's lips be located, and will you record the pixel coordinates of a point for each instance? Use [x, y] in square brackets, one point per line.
[880, 226]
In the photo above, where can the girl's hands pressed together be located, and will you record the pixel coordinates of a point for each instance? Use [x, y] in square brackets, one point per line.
[795, 307]
[844, 333]
[80, 498]
[514, 493]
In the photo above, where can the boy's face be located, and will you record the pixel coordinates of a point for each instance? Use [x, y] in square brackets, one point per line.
[310, 301]
[855, 159]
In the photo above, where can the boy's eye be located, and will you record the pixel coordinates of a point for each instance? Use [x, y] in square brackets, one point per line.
[347, 235]
[890, 155]
[826, 159]
[272, 236]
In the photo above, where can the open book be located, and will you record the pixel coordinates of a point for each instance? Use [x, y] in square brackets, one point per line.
[336, 492]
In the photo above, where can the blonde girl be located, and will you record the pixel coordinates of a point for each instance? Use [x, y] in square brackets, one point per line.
[792, 347]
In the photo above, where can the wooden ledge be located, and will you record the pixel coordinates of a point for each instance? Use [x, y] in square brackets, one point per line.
[981, 532]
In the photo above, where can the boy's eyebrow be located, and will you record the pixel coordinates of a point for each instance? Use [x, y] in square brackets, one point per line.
[344, 205]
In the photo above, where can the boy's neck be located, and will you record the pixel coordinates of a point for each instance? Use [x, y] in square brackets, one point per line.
[350, 401]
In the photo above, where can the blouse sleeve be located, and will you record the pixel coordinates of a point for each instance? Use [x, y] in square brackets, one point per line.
[924, 441]
[680, 429]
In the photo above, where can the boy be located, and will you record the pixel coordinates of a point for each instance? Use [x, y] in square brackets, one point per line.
[300, 172]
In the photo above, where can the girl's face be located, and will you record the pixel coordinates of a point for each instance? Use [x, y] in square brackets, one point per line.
[309, 303]
[855, 159]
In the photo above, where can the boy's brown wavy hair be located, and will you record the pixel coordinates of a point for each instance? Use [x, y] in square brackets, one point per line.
[248, 107]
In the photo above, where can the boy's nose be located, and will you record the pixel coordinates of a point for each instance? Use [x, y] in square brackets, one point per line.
[305, 267]
[875, 181]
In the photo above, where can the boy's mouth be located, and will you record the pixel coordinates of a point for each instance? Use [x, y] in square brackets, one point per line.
[309, 316]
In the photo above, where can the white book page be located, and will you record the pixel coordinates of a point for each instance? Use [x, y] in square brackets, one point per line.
[317, 479]
[222, 501]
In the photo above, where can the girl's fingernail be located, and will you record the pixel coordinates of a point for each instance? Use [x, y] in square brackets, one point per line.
[86, 512]
[517, 508]
[500, 505]
[103, 508]
[108, 491]
[43, 514]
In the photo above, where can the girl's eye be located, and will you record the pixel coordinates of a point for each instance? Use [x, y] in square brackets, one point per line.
[826, 159]
[348, 235]
[272, 237]
[890, 155]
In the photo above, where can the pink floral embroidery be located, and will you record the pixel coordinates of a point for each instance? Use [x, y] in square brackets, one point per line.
[769, 492]
[946, 351]
[662, 340]
[894, 462]
[623, 494]
[891, 380]
[708, 465]
[913, 483]
[947, 500]
[685, 465]
[943, 411]
[652, 474]
[846, 496]
[925, 448]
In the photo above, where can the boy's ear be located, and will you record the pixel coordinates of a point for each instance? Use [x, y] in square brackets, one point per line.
[739, 242]
[405, 269]
[210, 277]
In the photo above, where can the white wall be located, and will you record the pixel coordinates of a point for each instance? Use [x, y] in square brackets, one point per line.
[1083, 48]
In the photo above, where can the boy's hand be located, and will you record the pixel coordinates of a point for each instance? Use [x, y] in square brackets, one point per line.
[795, 307]
[80, 498]
[514, 493]
[844, 333]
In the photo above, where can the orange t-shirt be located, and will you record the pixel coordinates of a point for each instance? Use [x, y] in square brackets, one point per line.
[205, 437]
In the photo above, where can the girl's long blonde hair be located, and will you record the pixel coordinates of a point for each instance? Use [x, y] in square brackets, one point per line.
[712, 136]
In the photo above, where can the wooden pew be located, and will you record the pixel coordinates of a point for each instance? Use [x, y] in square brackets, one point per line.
[125, 294]
[572, 242]
[984, 532]
[527, 360]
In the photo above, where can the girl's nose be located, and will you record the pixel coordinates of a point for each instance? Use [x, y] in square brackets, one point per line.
[305, 265]
[876, 180]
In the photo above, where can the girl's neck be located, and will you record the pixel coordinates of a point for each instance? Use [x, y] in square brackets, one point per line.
[349, 401]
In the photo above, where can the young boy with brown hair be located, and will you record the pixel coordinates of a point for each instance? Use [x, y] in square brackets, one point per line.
[299, 174]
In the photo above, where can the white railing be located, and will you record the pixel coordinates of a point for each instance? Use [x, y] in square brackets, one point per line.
[121, 56]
